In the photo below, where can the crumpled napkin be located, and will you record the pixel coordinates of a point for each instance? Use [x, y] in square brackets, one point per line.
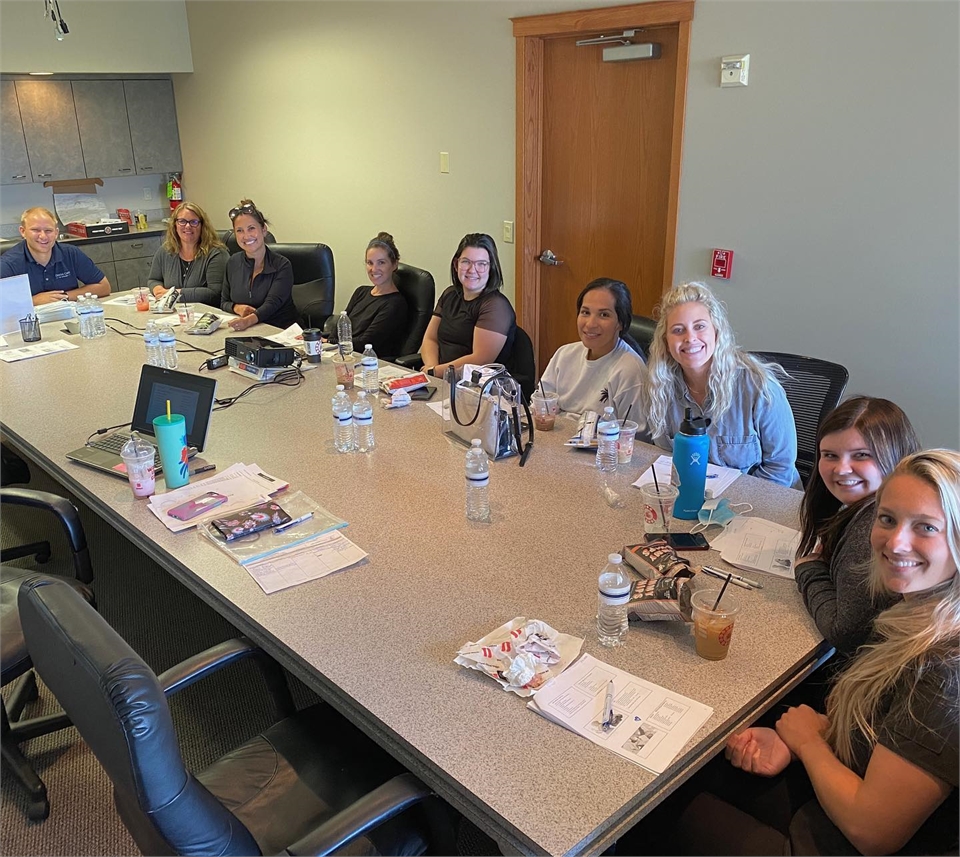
[521, 655]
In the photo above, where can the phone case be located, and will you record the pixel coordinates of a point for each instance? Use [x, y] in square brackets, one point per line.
[197, 506]
[252, 520]
[681, 541]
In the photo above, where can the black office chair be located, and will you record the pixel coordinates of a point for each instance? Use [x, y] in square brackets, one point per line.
[418, 288]
[15, 661]
[229, 237]
[310, 784]
[523, 363]
[15, 471]
[314, 281]
[813, 390]
[641, 333]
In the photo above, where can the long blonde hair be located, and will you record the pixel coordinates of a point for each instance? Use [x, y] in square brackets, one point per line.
[913, 635]
[209, 239]
[665, 382]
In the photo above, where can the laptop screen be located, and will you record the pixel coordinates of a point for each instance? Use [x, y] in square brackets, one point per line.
[190, 395]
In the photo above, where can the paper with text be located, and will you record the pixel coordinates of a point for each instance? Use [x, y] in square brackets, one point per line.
[718, 478]
[318, 558]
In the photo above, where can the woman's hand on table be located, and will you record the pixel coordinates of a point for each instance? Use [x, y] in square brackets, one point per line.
[758, 750]
[243, 323]
[243, 310]
[159, 291]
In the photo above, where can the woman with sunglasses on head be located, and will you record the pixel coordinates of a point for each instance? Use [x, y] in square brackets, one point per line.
[192, 258]
[860, 442]
[602, 369]
[378, 313]
[259, 282]
[694, 362]
[473, 321]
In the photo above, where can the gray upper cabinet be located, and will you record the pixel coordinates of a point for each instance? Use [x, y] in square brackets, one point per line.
[104, 129]
[14, 163]
[50, 129]
[153, 126]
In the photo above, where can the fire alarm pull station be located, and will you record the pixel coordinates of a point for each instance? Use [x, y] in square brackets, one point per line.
[722, 264]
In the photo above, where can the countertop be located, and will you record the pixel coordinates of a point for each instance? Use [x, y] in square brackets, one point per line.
[154, 227]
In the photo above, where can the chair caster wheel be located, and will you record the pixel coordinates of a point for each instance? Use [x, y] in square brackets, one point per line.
[38, 810]
[43, 558]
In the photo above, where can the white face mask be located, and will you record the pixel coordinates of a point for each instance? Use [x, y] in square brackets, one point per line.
[718, 512]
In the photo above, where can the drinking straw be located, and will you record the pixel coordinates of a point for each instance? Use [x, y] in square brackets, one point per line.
[723, 589]
[656, 484]
[628, 417]
[168, 410]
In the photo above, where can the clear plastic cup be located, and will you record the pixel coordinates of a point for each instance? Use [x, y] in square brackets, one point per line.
[628, 433]
[143, 300]
[658, 507]
[344, 364]
[713, 628]
[544, 407]
[139, 463]
[185, 313]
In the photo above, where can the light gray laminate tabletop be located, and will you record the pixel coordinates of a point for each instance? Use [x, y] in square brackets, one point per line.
[378, 641]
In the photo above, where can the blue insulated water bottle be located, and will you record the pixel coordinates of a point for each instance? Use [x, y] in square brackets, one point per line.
[691, 448]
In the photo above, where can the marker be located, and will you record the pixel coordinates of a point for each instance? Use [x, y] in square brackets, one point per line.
[293, 523]
[736, 579]
[608, 707]
[205, 469]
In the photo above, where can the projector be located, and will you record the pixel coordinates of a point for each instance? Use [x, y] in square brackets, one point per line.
[258, 351]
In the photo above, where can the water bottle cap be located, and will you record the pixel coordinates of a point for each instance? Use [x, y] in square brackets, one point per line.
[475, 442]
[340, 388]
[692, 425]
[608, 412]
[362, 394]
[614, 558]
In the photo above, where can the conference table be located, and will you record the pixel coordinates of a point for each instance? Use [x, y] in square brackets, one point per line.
[377, 641]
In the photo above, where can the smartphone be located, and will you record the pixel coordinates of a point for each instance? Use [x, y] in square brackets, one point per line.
[205, 325]
[197, 506]
[681, 541]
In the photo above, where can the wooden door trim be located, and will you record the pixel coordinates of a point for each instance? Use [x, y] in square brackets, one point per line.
[530, 33]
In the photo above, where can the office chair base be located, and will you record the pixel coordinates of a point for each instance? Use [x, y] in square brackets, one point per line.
[40, 551]
[24, 691]
[38, 806]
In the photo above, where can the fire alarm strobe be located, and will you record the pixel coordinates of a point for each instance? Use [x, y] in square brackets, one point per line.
[722, 264]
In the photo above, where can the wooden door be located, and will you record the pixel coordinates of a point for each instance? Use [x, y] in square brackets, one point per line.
[598, 161]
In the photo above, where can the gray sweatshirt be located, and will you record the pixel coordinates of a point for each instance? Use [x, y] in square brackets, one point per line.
[204, 281]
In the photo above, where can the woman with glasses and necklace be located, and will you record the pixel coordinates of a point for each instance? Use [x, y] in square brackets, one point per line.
[192, 258]
[473, 321]
[259, 282]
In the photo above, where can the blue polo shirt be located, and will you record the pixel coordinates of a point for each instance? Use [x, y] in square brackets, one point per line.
[67, 268]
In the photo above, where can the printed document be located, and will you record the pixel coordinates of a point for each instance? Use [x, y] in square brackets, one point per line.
[719, 479]
[650, 726]
[755, 544]
[36, 349]
[317, 558]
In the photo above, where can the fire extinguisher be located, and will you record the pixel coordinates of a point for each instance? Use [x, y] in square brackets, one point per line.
[174, 191]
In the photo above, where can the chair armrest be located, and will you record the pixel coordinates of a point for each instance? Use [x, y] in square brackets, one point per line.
[410, 361]
[365, 814]
[68, 516]
[330, 327]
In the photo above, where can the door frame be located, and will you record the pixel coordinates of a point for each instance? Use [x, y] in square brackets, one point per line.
[530, 34]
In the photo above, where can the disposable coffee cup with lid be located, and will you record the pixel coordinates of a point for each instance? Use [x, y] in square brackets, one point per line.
[312, 344]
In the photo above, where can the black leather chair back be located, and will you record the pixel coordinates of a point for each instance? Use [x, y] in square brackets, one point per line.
[420, 292]
[813, 390]
[314, 281]
[229, 238]
[523, 363]
[641, 332]
[115, 700]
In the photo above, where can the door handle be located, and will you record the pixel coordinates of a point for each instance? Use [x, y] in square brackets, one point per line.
[547, 258]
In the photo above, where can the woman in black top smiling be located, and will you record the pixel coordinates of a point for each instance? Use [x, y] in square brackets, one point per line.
[473, 321]
[259, 283]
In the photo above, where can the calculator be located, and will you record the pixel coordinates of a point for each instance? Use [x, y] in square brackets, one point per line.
[206, 324]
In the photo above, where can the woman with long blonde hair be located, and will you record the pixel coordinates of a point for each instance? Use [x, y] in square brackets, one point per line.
[192, 258]
[694, 362]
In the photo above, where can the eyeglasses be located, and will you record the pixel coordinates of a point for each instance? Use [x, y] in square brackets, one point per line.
[248, 208]
[467, 264]
[182, 221]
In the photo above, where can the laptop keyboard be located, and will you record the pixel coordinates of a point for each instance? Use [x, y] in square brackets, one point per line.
[115, 442]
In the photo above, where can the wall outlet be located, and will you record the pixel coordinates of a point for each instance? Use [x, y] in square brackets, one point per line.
[508, 232]
[147, 193]
[444, 162]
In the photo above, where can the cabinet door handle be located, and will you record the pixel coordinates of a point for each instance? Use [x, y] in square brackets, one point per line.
[137, 245]
[44, 175]
[148, 168]
[18, 177]
[124, 170]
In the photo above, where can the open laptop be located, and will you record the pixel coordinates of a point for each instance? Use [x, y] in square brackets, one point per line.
[190, 395]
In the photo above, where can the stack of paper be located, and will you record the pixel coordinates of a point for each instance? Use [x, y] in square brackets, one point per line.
[755, 544]
[718, 478]
[650, 724]
[36, 349]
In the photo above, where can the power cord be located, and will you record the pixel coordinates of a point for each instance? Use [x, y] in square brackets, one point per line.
[292, 377]
[104, 431]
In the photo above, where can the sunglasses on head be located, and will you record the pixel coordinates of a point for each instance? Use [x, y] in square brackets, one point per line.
[248, 208]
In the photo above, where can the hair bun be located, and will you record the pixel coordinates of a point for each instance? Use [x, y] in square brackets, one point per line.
[385, 236]
[244, 202]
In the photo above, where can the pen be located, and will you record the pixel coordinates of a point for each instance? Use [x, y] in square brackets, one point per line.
[293, 523]
[743, 582]
[205, 469]
[608, 707]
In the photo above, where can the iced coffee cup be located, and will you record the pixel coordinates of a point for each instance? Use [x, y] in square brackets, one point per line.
[628, 433]
[343, 365]
[657, 506]
[713, 626]
[544, 407]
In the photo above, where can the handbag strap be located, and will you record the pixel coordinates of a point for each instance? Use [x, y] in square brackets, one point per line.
[450, 378]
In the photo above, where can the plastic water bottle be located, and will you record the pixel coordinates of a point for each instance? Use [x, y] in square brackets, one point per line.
[369, 368]
[168, 347]
[363, 423]
[342, 421]
[478, 479]
[345, 332]
[608, 435]
[614, 585]
[97, 323]
[151, 342]
[691, 451]
[83, 316]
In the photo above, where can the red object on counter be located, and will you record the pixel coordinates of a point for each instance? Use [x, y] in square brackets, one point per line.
[722, 264]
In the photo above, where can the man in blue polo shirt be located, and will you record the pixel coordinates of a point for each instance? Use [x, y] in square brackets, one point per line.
[56, 271]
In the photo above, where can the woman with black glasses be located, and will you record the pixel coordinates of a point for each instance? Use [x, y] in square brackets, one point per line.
[259, 282]
[473, 321]
[192, 258]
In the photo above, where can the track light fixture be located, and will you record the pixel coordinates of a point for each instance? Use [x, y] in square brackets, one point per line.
[51, 10]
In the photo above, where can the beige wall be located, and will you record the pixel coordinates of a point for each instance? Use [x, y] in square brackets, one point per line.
[833, 178]
[106, 36]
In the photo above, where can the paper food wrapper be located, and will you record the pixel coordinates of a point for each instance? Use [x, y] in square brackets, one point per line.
[521, 655]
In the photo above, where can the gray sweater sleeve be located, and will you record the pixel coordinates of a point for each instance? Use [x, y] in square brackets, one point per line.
[836, 595]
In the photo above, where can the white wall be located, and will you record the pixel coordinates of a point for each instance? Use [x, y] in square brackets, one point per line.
[105, 36]
[833, 176]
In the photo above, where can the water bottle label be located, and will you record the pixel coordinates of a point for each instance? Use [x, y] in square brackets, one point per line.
[607, 434]
[364, 420]
[614, 600]
[343, 419]
[369, 362]
[478, 480]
